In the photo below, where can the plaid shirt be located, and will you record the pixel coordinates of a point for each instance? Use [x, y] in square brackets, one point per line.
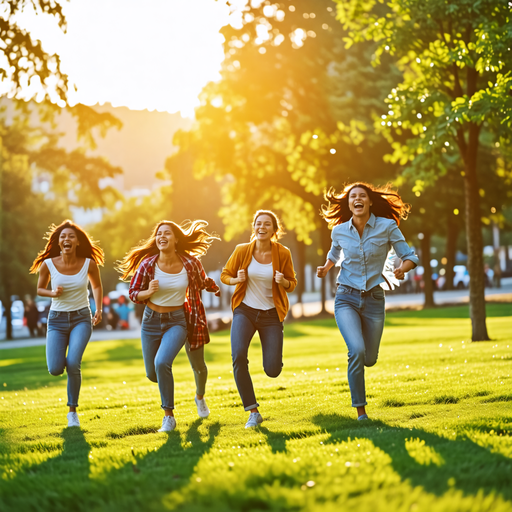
[197, 326]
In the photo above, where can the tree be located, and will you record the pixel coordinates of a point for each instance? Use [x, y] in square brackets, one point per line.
[287, 118]
[457, 67]
[29, 158]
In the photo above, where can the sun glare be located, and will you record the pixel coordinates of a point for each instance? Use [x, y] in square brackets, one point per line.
[154, 55]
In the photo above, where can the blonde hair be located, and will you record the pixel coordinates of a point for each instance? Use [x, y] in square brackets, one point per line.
[191, 239]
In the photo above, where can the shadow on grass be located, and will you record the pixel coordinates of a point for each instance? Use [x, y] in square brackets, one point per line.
[46, 485]
[64, 482]
[463, 464]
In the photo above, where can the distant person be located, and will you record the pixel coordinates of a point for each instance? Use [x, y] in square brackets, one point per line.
[364, 221]
[168, 277]
[123, 312]
[69, 260]
[32, 317]
[263, 273]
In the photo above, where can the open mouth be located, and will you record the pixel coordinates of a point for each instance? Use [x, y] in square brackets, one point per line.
[358, 204]
[162, 242]
[66, 245]
[262, 232]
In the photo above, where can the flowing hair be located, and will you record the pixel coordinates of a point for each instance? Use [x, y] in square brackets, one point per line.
[385, 203]
[191, 239]
[87, 248]
[279, 231]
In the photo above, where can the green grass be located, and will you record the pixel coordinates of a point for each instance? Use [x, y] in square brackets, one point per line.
[439, 439]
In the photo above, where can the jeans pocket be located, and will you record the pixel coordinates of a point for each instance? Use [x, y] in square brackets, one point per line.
[342, 289]
[378, 294]
[84, 312]
[52, 315]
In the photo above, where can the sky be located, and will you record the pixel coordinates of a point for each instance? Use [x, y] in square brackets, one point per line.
[141, 54]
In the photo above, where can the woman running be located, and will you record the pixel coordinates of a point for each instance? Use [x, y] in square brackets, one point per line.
[70, 260]
[168, 277]
[364, 221]
[263, 273]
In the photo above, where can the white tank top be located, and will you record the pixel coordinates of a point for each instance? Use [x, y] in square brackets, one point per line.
[258, 294]
[74, 296]
[172, 288]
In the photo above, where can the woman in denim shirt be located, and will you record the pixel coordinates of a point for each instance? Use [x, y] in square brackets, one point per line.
[364, 222]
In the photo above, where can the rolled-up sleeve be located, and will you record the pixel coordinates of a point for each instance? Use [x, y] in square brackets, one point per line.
[289, 272]
[136, 284]
[402, 249]
[335, 251]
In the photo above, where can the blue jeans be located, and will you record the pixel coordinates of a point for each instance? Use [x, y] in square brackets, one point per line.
[163, 336]
[69, 330]
[360, 318]
[246, 321]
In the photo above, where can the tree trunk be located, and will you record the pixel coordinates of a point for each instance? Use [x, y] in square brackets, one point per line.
[451, 251]
[474, 240]
[428, 288]
[300, 267]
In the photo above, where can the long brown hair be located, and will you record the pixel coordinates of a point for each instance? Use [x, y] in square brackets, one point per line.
[191, 239]
[279, 231]
[87, 248]
[386, 203]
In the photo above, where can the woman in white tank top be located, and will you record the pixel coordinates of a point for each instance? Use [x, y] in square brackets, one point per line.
[168, 278]
[70, 260]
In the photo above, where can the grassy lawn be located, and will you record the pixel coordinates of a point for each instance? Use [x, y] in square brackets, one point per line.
[439, 439]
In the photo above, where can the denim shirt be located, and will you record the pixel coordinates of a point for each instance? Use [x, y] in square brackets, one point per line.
[364, 257]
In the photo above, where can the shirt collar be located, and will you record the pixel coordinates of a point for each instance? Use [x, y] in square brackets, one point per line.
[371, 221]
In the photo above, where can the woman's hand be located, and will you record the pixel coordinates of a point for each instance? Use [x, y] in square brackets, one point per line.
[399, 273]
[240, 276]
[58, 291]
[279, 278]
[322, 271]
[97, 317]
[153, 287]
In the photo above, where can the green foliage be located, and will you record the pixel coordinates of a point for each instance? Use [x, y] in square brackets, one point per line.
[292, 114]
[439, 439]
[26, 61]
[39, 184]
[456, 61]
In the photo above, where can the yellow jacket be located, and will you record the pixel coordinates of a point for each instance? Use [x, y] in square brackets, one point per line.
[281, 261]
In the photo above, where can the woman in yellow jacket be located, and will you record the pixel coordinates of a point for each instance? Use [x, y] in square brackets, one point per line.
[263, 273]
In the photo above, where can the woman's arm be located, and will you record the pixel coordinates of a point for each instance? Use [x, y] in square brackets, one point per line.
[232, 273]
[332, 257]
[403, 251]
[206, 283]
[135, 291]
[322, 271]
[144, 295]
[287, 279]
[42, 283]
[97, 291]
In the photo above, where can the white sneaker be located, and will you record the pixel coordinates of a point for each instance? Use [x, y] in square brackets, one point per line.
[168, 424]
[73, 420]
[202, 408]
[254, 420]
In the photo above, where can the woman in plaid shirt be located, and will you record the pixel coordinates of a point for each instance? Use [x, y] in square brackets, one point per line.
[168, 277]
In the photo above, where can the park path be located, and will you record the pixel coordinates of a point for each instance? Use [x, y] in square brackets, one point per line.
[310, 307]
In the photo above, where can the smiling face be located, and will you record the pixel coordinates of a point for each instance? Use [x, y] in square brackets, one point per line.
[68, 241]
[165, 239]
[264, 228]
[359, 202]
